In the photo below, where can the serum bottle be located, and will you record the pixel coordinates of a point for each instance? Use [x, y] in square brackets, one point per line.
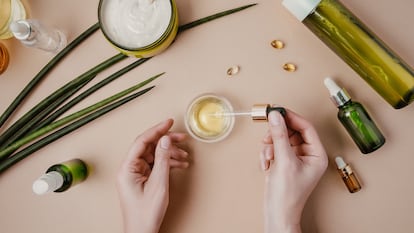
[60, 177]
[32, 33]
[347, 175]
[355, 119]
[358, 46]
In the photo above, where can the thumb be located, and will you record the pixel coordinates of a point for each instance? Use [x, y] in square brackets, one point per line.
[160, 175]
[279, 134]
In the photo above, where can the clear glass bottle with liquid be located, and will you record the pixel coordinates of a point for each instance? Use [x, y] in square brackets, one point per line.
[10, 10]
[35, 34]
[359, 47]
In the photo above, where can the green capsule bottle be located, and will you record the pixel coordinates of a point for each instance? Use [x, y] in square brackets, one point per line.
[355, 119]
[359, 47]
[60, 177]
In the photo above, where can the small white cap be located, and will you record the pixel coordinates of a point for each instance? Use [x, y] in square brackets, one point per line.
[340, 163]
[338, 95]
[21, 29]
[333, 88]
[301, 8]
[48, 182]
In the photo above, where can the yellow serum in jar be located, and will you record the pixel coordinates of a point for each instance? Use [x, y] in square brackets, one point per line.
[206, 121]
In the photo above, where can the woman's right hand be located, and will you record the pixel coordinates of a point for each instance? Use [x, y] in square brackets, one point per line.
[294, 160]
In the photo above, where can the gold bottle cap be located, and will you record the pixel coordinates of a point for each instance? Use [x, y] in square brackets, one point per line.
[259, 112]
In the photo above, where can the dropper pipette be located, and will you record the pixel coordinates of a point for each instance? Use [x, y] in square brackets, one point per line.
[259, 112]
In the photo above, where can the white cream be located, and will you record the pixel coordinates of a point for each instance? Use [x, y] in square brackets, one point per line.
[135, 23]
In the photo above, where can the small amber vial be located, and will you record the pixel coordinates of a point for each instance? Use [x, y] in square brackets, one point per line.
[348, 175]
[4, 58]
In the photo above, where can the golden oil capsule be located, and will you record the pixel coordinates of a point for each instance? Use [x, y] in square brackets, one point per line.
[277, 44]
[233, 70]
[289, 67]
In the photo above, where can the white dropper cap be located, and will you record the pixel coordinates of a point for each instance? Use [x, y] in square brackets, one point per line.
[338, 95]
[340, 163]
[48, 182]
[301, 8]
[21, 29]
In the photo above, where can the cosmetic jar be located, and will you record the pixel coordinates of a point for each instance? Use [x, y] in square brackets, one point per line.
[11, 10]
[204, 118]
[140, 28]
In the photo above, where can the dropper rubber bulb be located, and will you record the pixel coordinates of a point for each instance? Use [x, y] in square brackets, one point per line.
[332, 87]
[338, 95]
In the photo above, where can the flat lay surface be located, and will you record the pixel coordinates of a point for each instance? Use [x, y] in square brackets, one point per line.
[222, 190]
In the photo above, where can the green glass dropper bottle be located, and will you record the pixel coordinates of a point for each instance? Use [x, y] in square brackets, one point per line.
[60, 177]
[355, 119]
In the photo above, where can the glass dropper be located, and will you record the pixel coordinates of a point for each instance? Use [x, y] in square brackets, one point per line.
[258, 113]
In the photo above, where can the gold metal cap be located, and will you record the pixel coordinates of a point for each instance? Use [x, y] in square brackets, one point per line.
[259, 112]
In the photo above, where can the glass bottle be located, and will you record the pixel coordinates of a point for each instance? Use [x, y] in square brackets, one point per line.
[355, 119]
[60, 177]
[4, 58]
[359, 47]
[33, 33]
[10, 10]
[347, 174]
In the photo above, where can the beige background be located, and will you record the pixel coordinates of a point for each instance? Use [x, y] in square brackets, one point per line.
[222, 191]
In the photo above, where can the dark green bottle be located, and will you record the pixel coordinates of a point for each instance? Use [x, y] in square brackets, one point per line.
[60, 177]
[355, 119]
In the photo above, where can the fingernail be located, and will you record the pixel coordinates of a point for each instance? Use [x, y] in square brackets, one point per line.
[274, 119]
[165, 142]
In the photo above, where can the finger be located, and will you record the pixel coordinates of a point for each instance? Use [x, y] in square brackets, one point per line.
[160, 174]
[268, 136]
[134, 174]
[266, 156]
[304, 128]
[296, 139]
[179, 164]
[280, 137]
[263, 161]
[148, 139]
[177, 137]
[179, 154]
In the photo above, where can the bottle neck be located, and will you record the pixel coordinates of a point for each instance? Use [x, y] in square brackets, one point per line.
[341, 98]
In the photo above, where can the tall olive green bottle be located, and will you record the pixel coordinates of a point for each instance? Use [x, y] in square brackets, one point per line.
[355, 119]
[359, 47]
[60, 177]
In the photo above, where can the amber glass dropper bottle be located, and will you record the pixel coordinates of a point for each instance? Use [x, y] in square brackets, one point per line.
[348, 176]
[355, 119]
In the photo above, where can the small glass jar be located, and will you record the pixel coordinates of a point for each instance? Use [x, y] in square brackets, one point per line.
[205, 120]
[140, 28]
